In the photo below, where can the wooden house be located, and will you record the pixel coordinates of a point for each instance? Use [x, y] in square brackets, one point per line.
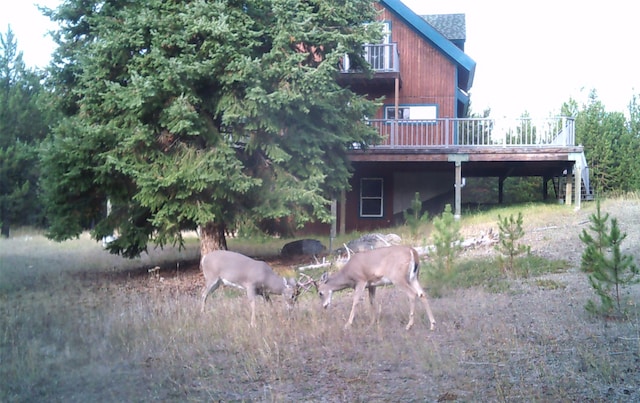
[424, 75]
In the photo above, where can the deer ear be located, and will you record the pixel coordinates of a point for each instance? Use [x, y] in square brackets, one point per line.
[325, 277]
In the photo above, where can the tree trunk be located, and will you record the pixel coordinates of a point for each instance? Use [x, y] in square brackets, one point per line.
[5, 228]
[4, 218]
[212, 237]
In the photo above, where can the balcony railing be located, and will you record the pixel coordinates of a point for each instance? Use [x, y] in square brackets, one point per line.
[476, 132]
[381, 58]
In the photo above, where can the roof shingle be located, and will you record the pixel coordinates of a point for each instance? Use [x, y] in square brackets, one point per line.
[451, 26]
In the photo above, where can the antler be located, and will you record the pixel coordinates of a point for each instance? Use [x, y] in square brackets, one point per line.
[306, 285]
[348, 251]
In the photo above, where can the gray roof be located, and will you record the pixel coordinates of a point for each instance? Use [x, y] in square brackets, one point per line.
[451, 26]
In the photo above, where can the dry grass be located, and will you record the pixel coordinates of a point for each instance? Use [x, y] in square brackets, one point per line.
[77, 324]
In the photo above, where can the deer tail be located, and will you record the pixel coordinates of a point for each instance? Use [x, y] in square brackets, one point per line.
[414, 265]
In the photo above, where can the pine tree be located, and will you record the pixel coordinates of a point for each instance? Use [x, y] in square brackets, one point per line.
[413, 218]
[511, 232]
[202, 115]
[23, 125]
[596, 244]
[597, 143]
[446, 240]
[609, 268]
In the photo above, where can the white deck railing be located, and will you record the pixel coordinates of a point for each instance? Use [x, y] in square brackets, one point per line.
[382, 58]
[477, 132]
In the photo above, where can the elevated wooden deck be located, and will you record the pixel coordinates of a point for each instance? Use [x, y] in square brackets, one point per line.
[518, 147]
[481, 148]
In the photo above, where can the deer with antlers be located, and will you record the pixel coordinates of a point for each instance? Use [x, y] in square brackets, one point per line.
[398, 265]
[223, 267]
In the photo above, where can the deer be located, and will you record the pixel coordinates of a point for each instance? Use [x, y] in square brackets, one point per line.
[233, 269]
[398, 265]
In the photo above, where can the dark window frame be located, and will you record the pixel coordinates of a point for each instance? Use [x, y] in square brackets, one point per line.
[371, 197]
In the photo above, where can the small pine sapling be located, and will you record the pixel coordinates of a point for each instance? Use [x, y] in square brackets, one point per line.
[596, 244]
[446, 240]
[609, 268]
[412, 217]
[511, 232]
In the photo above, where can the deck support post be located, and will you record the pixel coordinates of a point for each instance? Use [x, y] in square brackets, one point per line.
[577, 172]
[568, 191]
[458, 159]
[501, 189]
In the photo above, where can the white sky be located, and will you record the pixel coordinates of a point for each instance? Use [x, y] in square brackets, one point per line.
[29, 28]
[530, 56]
[535, 55]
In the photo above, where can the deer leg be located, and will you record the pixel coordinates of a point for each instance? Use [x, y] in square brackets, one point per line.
[251, 294]
[412, 310]
[411, 293]
[264, 294]
[372, 304]
[423, 297]
[208, 289]
[253, 312]
[357, 294]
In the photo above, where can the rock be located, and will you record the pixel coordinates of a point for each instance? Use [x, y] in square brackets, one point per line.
[303, 247]
[373, 241]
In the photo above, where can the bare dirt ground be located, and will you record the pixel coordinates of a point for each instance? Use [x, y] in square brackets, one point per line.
[137, 336]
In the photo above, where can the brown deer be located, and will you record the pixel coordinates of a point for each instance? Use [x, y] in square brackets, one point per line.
[397, 265]
[228, 268]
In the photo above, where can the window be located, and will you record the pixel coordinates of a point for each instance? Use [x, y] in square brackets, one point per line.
[371, 199]
[417, 112]
[403, 112]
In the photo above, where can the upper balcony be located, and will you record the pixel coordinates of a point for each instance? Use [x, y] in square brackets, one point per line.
[384, 63]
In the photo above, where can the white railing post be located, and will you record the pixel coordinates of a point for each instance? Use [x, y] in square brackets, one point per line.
[446, 132]
[396, 57]
[392, 135]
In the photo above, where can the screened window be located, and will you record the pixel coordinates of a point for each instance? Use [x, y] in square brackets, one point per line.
[371, 200]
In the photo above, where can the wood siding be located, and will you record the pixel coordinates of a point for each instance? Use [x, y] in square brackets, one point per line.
[428, 76]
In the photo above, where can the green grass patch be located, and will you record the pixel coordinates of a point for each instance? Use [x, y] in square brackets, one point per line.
[546, 284]
[487, 273]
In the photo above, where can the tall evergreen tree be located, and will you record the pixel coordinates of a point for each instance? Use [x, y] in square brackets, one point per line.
[632, 145]
[201, 114]
[596, 142]
[569, 108]
[23, 124]
[615, 129]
